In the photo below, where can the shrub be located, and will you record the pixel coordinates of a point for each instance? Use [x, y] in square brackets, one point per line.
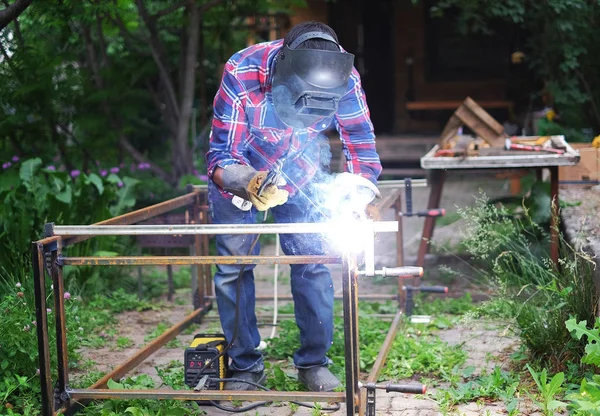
[515, 256]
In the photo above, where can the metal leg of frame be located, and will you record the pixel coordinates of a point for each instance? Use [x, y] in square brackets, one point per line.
[37, 252]
[61, 398]
[399, 248]
[438, 177]
[350, 302]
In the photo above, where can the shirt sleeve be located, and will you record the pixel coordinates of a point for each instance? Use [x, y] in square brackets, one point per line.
[356, 132]
[229, 125]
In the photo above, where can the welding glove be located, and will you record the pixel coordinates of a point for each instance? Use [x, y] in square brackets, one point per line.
[373, 213]
[244, 181]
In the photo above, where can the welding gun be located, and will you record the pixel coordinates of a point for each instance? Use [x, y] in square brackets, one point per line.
[273, 177]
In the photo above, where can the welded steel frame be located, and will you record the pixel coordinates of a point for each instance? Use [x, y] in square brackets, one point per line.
[47, 258]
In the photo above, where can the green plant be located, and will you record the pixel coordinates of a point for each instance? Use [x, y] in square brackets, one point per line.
[513, 256]
[587, 400]
[547, 391]
[124, 342]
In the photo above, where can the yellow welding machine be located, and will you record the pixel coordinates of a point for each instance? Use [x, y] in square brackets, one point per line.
[204, 349]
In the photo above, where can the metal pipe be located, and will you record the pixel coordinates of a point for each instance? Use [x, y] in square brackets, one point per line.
[164, 394]
[380, 184]
[192, 229]
[267, 317]
[148, 350]
[187, 260]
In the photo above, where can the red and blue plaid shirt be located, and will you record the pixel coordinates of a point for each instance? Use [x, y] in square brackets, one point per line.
[246, 130]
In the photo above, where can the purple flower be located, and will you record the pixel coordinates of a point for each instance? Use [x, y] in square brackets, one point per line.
[34, 323]
[15, 158]
[103, 172]
[6, 165]
[50, 167]
[203, 178]
[75, 173]
[67, 295]
[120, 184]
[114, 170]
[48, 310]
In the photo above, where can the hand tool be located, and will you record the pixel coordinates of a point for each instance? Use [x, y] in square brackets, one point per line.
[436, 212]
[509, 145]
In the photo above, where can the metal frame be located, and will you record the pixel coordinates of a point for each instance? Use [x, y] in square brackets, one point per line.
[47, 257]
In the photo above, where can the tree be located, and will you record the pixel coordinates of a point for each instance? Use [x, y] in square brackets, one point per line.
[118, 80]
[12, 11]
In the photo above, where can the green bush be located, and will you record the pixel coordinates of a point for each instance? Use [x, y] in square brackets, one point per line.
[514, 252]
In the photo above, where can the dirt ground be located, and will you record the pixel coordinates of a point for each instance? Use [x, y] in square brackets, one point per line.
[486, 343]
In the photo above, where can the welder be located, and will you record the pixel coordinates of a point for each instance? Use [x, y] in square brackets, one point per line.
[275, 100]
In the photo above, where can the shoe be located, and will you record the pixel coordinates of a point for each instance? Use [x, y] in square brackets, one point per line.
[243, 376]
[318, 378]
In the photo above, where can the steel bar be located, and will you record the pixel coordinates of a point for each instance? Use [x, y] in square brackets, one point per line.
[350, 333]
[187, 260]
[61, 326]
[37, 254]
[198, 270]
[355, 339]
[420, 183]
[267, 318]
[399, 248]
[373, 297]
[213, 229]
[164, 394]
[148, 350]
[385, 348]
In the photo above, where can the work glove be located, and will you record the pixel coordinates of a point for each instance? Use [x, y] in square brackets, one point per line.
[244, 181]
[351, 194]
[373, 213]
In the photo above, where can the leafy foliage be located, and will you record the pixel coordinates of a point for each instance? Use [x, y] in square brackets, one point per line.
[517, 264]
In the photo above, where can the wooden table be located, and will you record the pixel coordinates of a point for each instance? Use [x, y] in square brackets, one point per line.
[504, 160]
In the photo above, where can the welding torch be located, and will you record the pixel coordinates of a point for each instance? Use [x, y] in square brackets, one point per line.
[273, 176]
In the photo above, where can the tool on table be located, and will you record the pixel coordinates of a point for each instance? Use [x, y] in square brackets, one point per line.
[509, 145]
[436, 212]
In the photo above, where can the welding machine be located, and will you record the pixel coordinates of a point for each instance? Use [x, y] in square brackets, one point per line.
[203, 349]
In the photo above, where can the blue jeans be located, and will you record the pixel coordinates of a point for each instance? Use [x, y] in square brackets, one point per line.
[312, 287]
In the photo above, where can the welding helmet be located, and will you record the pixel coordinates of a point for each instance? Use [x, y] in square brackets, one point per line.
[309, 83]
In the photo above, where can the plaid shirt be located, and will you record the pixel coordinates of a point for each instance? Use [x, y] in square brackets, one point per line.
[246, 130]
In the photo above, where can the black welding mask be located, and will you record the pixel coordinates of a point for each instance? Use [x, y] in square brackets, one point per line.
[309, 83]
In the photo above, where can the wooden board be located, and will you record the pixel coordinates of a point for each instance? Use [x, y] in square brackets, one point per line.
[588, 169]
[513, 160]
[453, 104]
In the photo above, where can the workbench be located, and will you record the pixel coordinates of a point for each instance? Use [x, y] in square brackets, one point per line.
[439, 166]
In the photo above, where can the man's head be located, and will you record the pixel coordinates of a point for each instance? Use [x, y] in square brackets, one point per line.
[311, 75]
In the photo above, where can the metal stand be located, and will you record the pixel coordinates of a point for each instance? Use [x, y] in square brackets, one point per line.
[47, 255]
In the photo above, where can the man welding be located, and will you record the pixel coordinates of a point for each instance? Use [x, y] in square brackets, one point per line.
[274, 101]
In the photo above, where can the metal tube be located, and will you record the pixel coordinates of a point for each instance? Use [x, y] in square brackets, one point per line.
[164, 394]
[380, 184]
[147, 351]
[37, 254]
[187, 260]
[213, 229]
